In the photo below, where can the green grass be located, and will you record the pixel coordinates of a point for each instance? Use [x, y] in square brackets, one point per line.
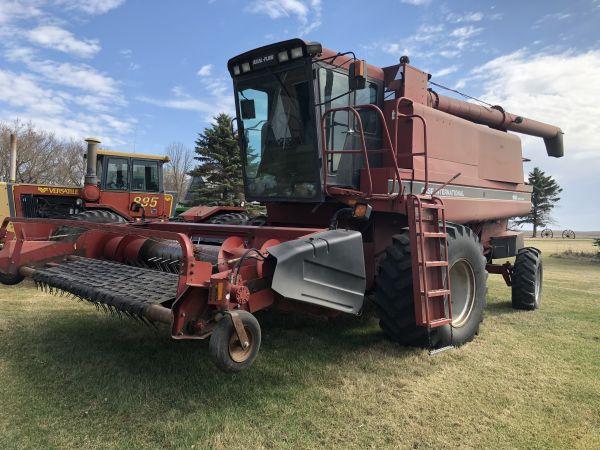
[71, 377]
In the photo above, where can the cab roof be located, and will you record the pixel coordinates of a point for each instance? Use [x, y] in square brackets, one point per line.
[163, 158]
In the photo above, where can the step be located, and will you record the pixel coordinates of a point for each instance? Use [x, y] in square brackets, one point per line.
[440, 322]
[438, 293]
[431, 234]
[436, 263]
[432, 206]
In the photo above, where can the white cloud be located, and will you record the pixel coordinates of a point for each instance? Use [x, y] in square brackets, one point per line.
[308, 13]
[78, 76]
[93, 7]
[16, 10]
[561, 89]
[205, 70]
[216, 98]
[467, 17]
[57, 38]
[24, 96]
[432, 41]
[416, 2]
[466, 32]
[446, 71]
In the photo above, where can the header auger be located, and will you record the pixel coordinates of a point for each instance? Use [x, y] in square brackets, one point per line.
[375, 187]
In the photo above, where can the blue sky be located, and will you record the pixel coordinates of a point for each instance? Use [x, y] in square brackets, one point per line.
[142, 73]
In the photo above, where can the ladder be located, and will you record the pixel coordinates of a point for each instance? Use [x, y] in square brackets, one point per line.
[429, 249]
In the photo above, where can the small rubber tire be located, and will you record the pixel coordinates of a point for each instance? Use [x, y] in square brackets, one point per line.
[394, 291]
[229, 219]
[225, 349]
[10, 280]
[527, 279]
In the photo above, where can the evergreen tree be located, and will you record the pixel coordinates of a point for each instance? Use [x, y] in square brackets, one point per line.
[219, 163]
[544, 197]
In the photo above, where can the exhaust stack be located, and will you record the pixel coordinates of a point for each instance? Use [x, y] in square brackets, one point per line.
[496, 117]
[12, 177]
[91, 158]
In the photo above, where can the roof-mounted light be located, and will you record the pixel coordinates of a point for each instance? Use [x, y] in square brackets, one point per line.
[246, 67]
[236, 70]
[283, 56]
[297, 52]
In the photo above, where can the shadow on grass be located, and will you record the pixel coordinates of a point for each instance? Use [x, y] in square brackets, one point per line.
[499, 308]
[81, 359]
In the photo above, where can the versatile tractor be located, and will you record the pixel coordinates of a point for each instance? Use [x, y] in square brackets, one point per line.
[118, 187]
[376, 187]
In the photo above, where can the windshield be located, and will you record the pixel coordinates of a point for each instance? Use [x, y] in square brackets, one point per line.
[280, 139]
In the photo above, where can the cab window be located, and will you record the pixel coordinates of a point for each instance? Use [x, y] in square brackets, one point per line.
[117, 174]
[369, 117]
[145, 176]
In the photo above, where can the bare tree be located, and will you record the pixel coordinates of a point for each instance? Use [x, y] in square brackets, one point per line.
[41, 156]
[176, 175]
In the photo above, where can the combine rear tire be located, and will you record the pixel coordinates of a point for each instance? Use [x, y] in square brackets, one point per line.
[225, 348]
[9, 280]
[527, 279]
[229, 219]
[394, 293]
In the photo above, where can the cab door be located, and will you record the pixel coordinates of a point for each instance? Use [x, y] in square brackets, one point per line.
[146, 189]
[115, 183]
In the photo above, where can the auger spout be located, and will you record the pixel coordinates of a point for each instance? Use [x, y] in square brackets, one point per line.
[497, 117]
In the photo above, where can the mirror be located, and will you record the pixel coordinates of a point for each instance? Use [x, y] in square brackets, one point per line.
[247, 108]
[358, 75]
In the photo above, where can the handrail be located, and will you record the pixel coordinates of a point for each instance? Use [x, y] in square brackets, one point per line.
[364, 151]
[424, 152]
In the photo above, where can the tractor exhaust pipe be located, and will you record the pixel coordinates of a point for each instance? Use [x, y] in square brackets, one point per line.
[12, 177]
[496, 117]
[92, 157]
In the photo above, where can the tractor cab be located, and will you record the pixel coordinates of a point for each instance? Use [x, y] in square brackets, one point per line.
[281, 92]
[133, 182]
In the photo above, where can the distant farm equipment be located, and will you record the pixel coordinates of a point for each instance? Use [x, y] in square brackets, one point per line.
[375, 186]
[118, 187]
[568, 234]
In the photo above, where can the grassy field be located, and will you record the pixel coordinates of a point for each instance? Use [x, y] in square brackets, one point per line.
[71, 377]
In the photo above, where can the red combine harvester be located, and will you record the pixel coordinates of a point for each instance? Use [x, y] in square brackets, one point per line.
[375, 186]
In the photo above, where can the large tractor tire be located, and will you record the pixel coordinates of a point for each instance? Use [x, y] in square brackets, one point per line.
[527, 277]
[468, 280]
[89, 215]
[99, 216]
[229, 219]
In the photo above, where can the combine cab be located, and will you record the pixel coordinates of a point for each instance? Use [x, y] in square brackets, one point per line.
[375, 186]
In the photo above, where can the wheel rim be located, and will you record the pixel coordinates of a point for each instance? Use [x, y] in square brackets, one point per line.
[462, 286]
[236, 351]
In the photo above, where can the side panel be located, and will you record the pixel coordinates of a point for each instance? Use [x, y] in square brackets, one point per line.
[5, 210]
[326, 269]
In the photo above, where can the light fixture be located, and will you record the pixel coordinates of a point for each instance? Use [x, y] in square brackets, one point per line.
[297, 52]
[246, 67]
[236, 70]
[283, 56]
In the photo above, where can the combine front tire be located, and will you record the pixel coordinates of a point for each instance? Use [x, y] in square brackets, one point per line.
[527, 279]
[226, 350]
[468, 277]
